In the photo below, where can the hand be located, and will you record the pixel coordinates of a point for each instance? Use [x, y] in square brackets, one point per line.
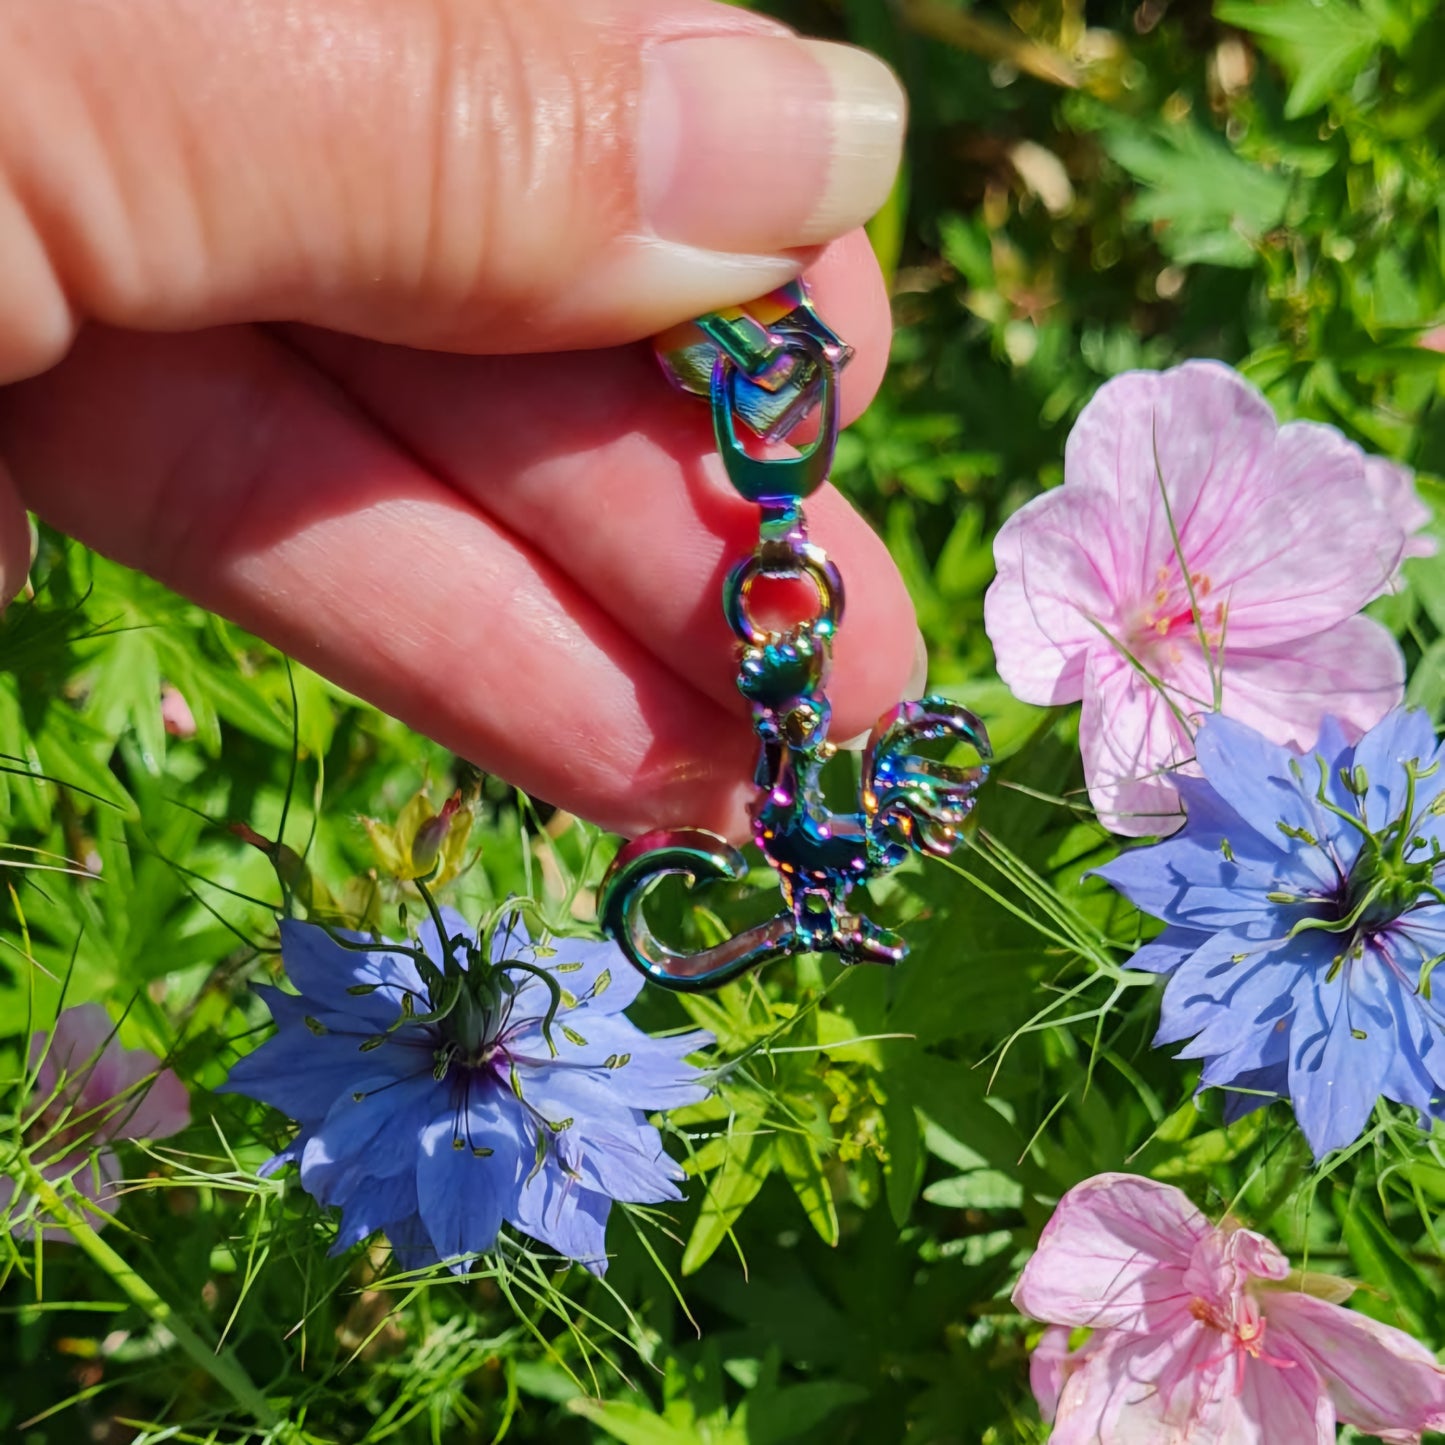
[267, 274]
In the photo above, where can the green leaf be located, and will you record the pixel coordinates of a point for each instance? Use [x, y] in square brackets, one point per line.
[1217, 1146]
[633, 1424]
[750, 1158]
[903, 1164]
[1408, 1302]
[1322, 45]
[978, 1189]
[783, 1416]
[803, 1168]
[1426, 688]
[1210, 205]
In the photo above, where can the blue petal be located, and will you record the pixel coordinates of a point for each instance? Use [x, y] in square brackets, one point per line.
[463, 1198]
[1423, 929]
[1405, 735]
[590, 1038]
[322, 969]
[620, 1155]
[364, 1139]
[594, 973]
[1413, 1076]
[562, 1213]
[652, 1078]
[633, 1168]
[655, 1074]
[585, 1096]
[1261, 1050]
[1273, 789]
[291, 1154]
[1335, 1077]
[377, 1208]
[411, 1245]
[303, 1075]
[1230, 989]
[1253, 1090]
[1215, 873]
[1165, 953]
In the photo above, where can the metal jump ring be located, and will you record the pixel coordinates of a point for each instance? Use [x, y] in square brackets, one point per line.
[804, 560]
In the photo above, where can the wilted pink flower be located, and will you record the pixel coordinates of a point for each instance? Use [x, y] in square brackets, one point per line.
[1393, 487]
[1282, 539]
[1202, 1336]
[94, 1091]
[176, 715]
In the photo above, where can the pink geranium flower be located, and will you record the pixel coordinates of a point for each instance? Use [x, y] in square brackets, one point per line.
[176, 715]
[1393, 486]
[1283, 534]
[1202, 1336]
[93, 1091]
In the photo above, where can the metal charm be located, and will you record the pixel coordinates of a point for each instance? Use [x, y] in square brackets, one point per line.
[769, 365]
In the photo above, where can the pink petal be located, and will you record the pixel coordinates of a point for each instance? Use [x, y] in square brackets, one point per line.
[1147, 1390]
[1355, 672]
[1379, 1379]
[1278, 1404]
[1114, 1398]
[97, 1070]
[1199, 435]
[1255, 1255]
[1393, 487]
[1260, 511]
[176, 715]
[82, 1036]
[156, 1110]
[1222, 1265]
[1049, 1368]
[1044, 611]
[1189, 1388]
[1306, 547]
[1200, 427]
[1131, 739]
[1114, 1255]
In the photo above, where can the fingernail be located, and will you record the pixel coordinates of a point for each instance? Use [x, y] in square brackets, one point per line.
[761, 143]
[918, 678]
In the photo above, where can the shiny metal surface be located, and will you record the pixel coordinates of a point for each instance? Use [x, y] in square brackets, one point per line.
[906, 802]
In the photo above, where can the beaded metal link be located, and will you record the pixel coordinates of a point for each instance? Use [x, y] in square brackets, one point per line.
[769, 365]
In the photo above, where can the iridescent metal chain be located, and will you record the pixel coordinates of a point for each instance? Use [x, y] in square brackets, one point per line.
[769, 365]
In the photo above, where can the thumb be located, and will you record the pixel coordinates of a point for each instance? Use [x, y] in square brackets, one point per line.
[451, 174]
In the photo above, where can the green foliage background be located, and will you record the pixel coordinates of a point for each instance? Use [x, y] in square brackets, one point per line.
[1087, 189]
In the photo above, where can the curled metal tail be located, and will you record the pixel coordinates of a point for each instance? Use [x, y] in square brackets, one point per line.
[699, 857]
[924, 800]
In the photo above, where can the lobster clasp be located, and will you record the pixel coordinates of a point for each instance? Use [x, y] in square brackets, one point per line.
[780, 379]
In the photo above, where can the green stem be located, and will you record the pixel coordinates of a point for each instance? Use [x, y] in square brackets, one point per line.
[222, 1367]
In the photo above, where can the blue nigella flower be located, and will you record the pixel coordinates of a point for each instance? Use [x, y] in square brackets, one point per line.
[444, 1087]
[1304, 918]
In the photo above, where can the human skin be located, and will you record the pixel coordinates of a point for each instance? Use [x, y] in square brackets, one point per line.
[331, 316]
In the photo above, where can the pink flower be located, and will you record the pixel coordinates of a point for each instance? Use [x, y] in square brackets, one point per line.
[1393, 486]
[176, 715]
[92, 1091]
[1201, 1335]
[1283, 538]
